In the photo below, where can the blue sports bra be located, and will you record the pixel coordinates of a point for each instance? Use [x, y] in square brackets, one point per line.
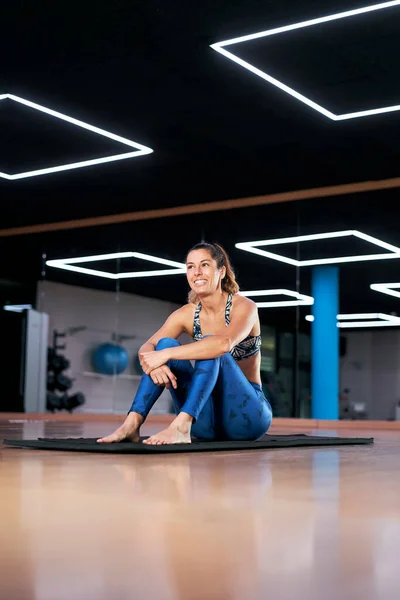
[246, 348]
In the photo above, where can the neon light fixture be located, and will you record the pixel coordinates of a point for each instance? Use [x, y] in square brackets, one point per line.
[221, 48]
[354, 320]
[300, 299]
[386, 288]
[394, 251]
[140, 150]
[69, 264]
[17, 307]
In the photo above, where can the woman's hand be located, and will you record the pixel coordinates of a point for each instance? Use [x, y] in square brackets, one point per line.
[152, 360]
[164, 376]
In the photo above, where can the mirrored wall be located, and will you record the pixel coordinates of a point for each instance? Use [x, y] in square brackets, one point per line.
[90, 297]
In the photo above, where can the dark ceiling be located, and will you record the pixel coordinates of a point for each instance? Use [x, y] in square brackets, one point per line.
[145, 71]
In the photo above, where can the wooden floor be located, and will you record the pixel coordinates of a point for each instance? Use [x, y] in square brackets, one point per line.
[281, 524]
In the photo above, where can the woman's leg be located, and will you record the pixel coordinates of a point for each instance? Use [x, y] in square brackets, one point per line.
[198, 398]
[242, 412]
[215, 392]
[192, 395]
[223, 403]
[148, 392]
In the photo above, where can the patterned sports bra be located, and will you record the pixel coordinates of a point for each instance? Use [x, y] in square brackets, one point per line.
[246, 348]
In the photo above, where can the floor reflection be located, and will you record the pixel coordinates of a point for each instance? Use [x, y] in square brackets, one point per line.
[294, 523]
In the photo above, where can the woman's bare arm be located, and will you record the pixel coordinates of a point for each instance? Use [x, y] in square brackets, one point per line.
[173, 327]
[242, 322]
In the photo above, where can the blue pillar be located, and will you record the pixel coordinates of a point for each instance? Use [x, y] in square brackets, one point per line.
[325, 343]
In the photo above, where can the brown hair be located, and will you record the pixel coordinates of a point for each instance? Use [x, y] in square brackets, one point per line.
[229, 283]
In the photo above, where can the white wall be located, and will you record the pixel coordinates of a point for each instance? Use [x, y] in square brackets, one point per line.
[371, 370]
[102, 313]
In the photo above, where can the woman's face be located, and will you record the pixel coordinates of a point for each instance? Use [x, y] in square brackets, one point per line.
[202, 272]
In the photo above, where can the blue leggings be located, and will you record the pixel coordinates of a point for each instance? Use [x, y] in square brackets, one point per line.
[215, 392]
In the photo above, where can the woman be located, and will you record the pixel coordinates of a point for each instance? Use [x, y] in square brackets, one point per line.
[220, 397]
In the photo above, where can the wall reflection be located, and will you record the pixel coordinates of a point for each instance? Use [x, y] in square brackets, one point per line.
[100, 314]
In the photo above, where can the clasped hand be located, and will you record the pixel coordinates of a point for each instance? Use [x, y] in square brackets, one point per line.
[164, 376]
[152, 360]
[153, 364]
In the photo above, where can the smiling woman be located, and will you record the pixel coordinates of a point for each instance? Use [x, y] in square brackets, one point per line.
[218, 254]
[220, 397]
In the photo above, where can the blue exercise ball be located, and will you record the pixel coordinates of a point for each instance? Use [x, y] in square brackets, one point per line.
[110, 359]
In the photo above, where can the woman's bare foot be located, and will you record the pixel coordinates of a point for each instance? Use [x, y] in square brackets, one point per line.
[128, 432]
[122, 434]
[178, 432]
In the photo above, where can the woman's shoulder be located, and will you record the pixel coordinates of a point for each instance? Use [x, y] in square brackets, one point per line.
[246, 309]
[187, 310]
[183, 317]
[239, 300]
[190, 306]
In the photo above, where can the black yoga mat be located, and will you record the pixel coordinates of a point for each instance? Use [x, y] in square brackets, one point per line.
[268, 441]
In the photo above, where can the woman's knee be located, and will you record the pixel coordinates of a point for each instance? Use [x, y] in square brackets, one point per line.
[249, 430]
[166, 342]
[206, 365]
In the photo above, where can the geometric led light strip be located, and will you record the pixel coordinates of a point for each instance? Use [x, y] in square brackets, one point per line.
[364, 320]
[300, 299]
[221, 48]
[17, 307]
[70, 264]
[394, 251]
[140, 150]
[386, 288]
